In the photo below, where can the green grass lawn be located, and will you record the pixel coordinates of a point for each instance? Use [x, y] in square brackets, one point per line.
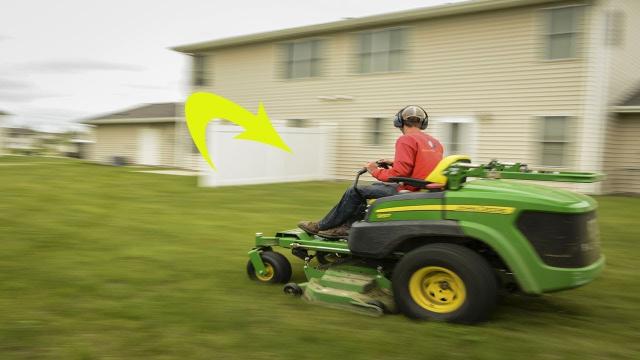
[99, 262]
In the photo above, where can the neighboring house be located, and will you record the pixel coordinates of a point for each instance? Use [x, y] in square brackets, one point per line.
[151, 134]
[3, 135]
[24, 141]
[27, 141]
[517, 80]
[77, 148]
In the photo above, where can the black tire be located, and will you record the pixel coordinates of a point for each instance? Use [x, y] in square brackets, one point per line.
[293, 289]
[280, 268]
[379, 304]
[480, 285]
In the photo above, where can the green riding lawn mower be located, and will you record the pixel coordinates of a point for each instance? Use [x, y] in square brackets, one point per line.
[445, 252]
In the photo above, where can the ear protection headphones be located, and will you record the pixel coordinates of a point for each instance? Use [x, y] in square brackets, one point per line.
[398, 121]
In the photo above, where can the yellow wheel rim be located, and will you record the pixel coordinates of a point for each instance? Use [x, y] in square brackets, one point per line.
[268, 273]
[437, 289]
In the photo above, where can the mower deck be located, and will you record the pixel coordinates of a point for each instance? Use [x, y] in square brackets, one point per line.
[347, 283]
[356, 288]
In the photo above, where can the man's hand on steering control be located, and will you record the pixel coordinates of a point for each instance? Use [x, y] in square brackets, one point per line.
[371, 166]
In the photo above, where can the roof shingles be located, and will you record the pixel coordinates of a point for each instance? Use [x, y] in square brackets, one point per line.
[363, 22]
[148, 111]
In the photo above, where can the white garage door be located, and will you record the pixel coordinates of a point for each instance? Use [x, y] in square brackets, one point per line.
[149, 146]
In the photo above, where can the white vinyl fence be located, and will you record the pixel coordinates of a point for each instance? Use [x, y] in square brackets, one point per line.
[242, 162]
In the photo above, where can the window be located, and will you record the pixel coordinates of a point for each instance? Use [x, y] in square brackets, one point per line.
[615, 27]
[297, 123]
[376, 131]
[302, 59]
[381, 50]
[455, 136]
[554, 140]
[199, 70]
[561, 33]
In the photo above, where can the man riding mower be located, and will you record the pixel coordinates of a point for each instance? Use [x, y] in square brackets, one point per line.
[444, 251]
[417, 154]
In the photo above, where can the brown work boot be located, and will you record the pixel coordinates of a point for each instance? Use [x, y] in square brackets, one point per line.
[339, 232]
[309, 226]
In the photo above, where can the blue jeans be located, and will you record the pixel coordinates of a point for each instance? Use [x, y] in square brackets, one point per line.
[351, 207]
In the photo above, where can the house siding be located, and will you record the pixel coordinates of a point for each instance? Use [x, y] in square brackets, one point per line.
[488, 66]
[625, 56]
[622, 151]
[613, 72]
[186, 155]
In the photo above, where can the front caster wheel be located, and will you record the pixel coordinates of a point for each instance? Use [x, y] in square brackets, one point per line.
[379, 305]
[277, 268]
[293, 289]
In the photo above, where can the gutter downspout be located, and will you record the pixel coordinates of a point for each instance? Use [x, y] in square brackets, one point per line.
[595, 116]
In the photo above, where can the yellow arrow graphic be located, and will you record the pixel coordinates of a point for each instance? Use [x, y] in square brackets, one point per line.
[202, 107]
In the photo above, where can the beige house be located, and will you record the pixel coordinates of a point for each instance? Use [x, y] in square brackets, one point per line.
[146, 135]
[535, 81]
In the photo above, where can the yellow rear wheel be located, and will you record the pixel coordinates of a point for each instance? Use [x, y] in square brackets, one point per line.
[446, 282]
[437, 289]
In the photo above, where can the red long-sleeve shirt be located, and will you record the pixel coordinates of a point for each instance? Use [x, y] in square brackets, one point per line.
[417, 154]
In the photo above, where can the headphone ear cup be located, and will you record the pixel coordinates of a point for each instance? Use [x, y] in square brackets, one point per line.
[397, 121]
[425, 122]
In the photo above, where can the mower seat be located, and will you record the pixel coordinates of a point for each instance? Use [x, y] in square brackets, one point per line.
[438, 176]
[436, 180]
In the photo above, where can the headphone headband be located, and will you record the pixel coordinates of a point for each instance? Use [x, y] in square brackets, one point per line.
[398, 121]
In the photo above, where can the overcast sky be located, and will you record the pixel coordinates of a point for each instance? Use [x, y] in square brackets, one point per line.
[63, 60]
